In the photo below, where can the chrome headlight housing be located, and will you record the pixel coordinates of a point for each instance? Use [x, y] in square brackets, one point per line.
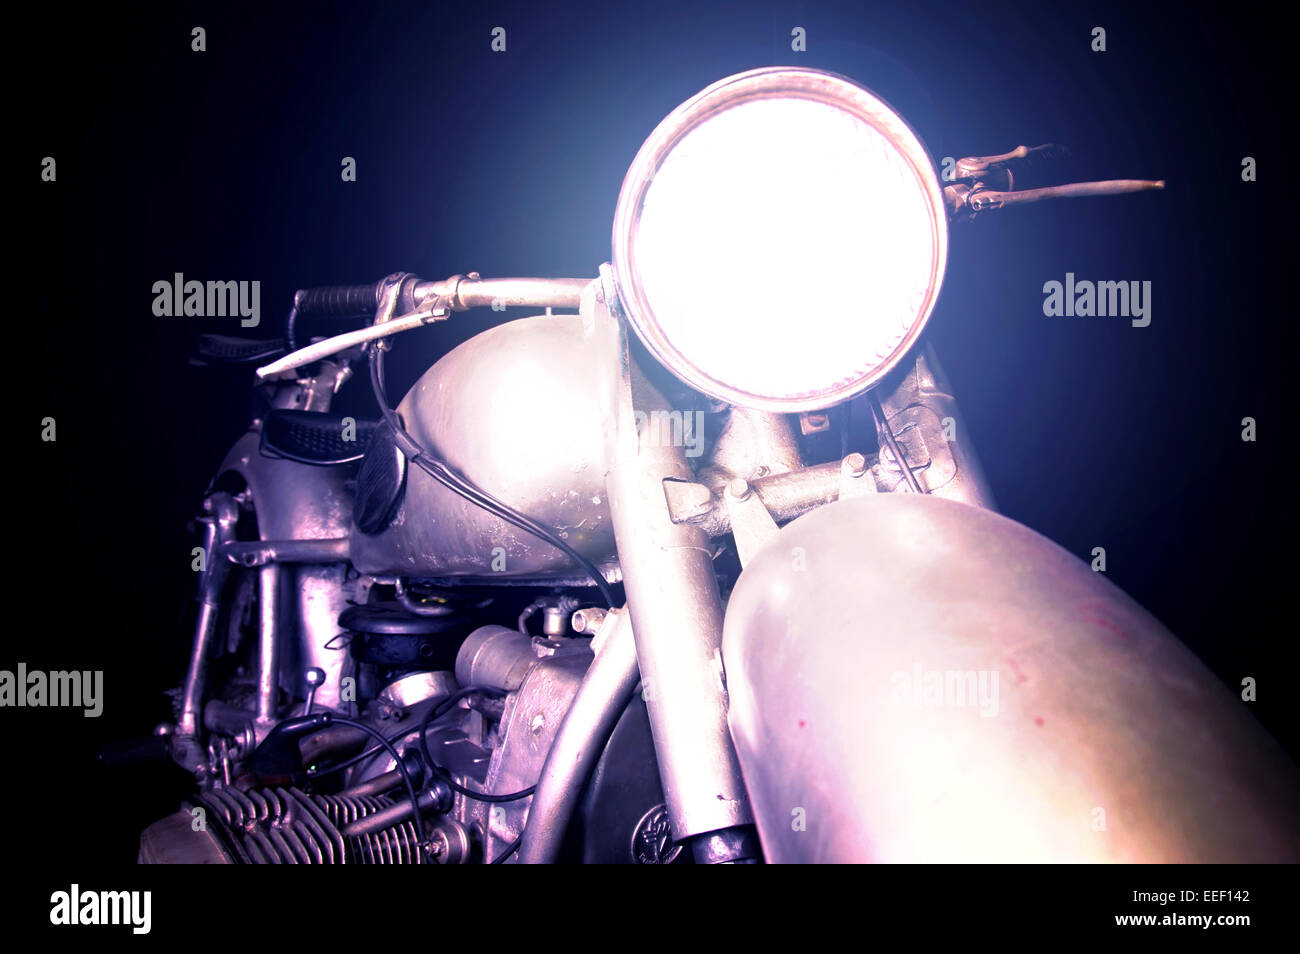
[780, 240]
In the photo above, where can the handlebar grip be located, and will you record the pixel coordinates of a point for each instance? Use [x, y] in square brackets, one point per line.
[330, 301]
[339, 301]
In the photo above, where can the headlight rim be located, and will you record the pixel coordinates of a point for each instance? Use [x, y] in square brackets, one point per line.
[772, 82]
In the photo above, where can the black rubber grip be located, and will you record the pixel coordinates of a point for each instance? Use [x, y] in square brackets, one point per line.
[338, 301]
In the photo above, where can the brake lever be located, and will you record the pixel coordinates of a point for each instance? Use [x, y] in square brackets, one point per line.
[984, 183]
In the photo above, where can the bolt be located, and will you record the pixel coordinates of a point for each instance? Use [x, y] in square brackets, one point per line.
[855, 465]
[738, 488]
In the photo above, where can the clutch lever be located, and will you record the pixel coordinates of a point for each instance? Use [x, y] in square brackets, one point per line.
[984, 183]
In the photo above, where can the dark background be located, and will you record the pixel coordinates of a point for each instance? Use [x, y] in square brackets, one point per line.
[225, 165]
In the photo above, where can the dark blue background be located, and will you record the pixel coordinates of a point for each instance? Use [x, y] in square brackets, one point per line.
[225, 165]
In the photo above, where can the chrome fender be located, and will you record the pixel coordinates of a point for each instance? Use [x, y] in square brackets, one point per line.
[914, 679]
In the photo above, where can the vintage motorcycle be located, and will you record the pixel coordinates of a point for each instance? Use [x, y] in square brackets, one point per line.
[729, 588]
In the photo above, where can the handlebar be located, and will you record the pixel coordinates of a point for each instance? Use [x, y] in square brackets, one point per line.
[416, 303]
[461, 292]
[458, 293]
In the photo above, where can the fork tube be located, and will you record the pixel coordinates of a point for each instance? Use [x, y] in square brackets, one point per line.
[676, 610]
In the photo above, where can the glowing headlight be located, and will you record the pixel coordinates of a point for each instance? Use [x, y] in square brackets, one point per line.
[780, 240]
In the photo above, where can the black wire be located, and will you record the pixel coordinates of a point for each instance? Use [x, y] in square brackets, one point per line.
[291, 326]
[438, 709]
[891, 441]
[401, 766]
[514, 846]
[435, 710]
[460, 485]
[330, 770]
[454, 482]
[442, 773]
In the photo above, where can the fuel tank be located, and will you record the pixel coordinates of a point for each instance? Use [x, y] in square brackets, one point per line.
[914, 679]
[511, 409]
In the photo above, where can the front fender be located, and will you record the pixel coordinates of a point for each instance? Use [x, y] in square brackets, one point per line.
[914, 679]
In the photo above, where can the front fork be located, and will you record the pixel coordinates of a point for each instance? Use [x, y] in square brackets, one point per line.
[676, 609]
[671, 585]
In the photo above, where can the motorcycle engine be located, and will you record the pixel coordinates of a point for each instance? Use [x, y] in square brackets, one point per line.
[288, 801]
